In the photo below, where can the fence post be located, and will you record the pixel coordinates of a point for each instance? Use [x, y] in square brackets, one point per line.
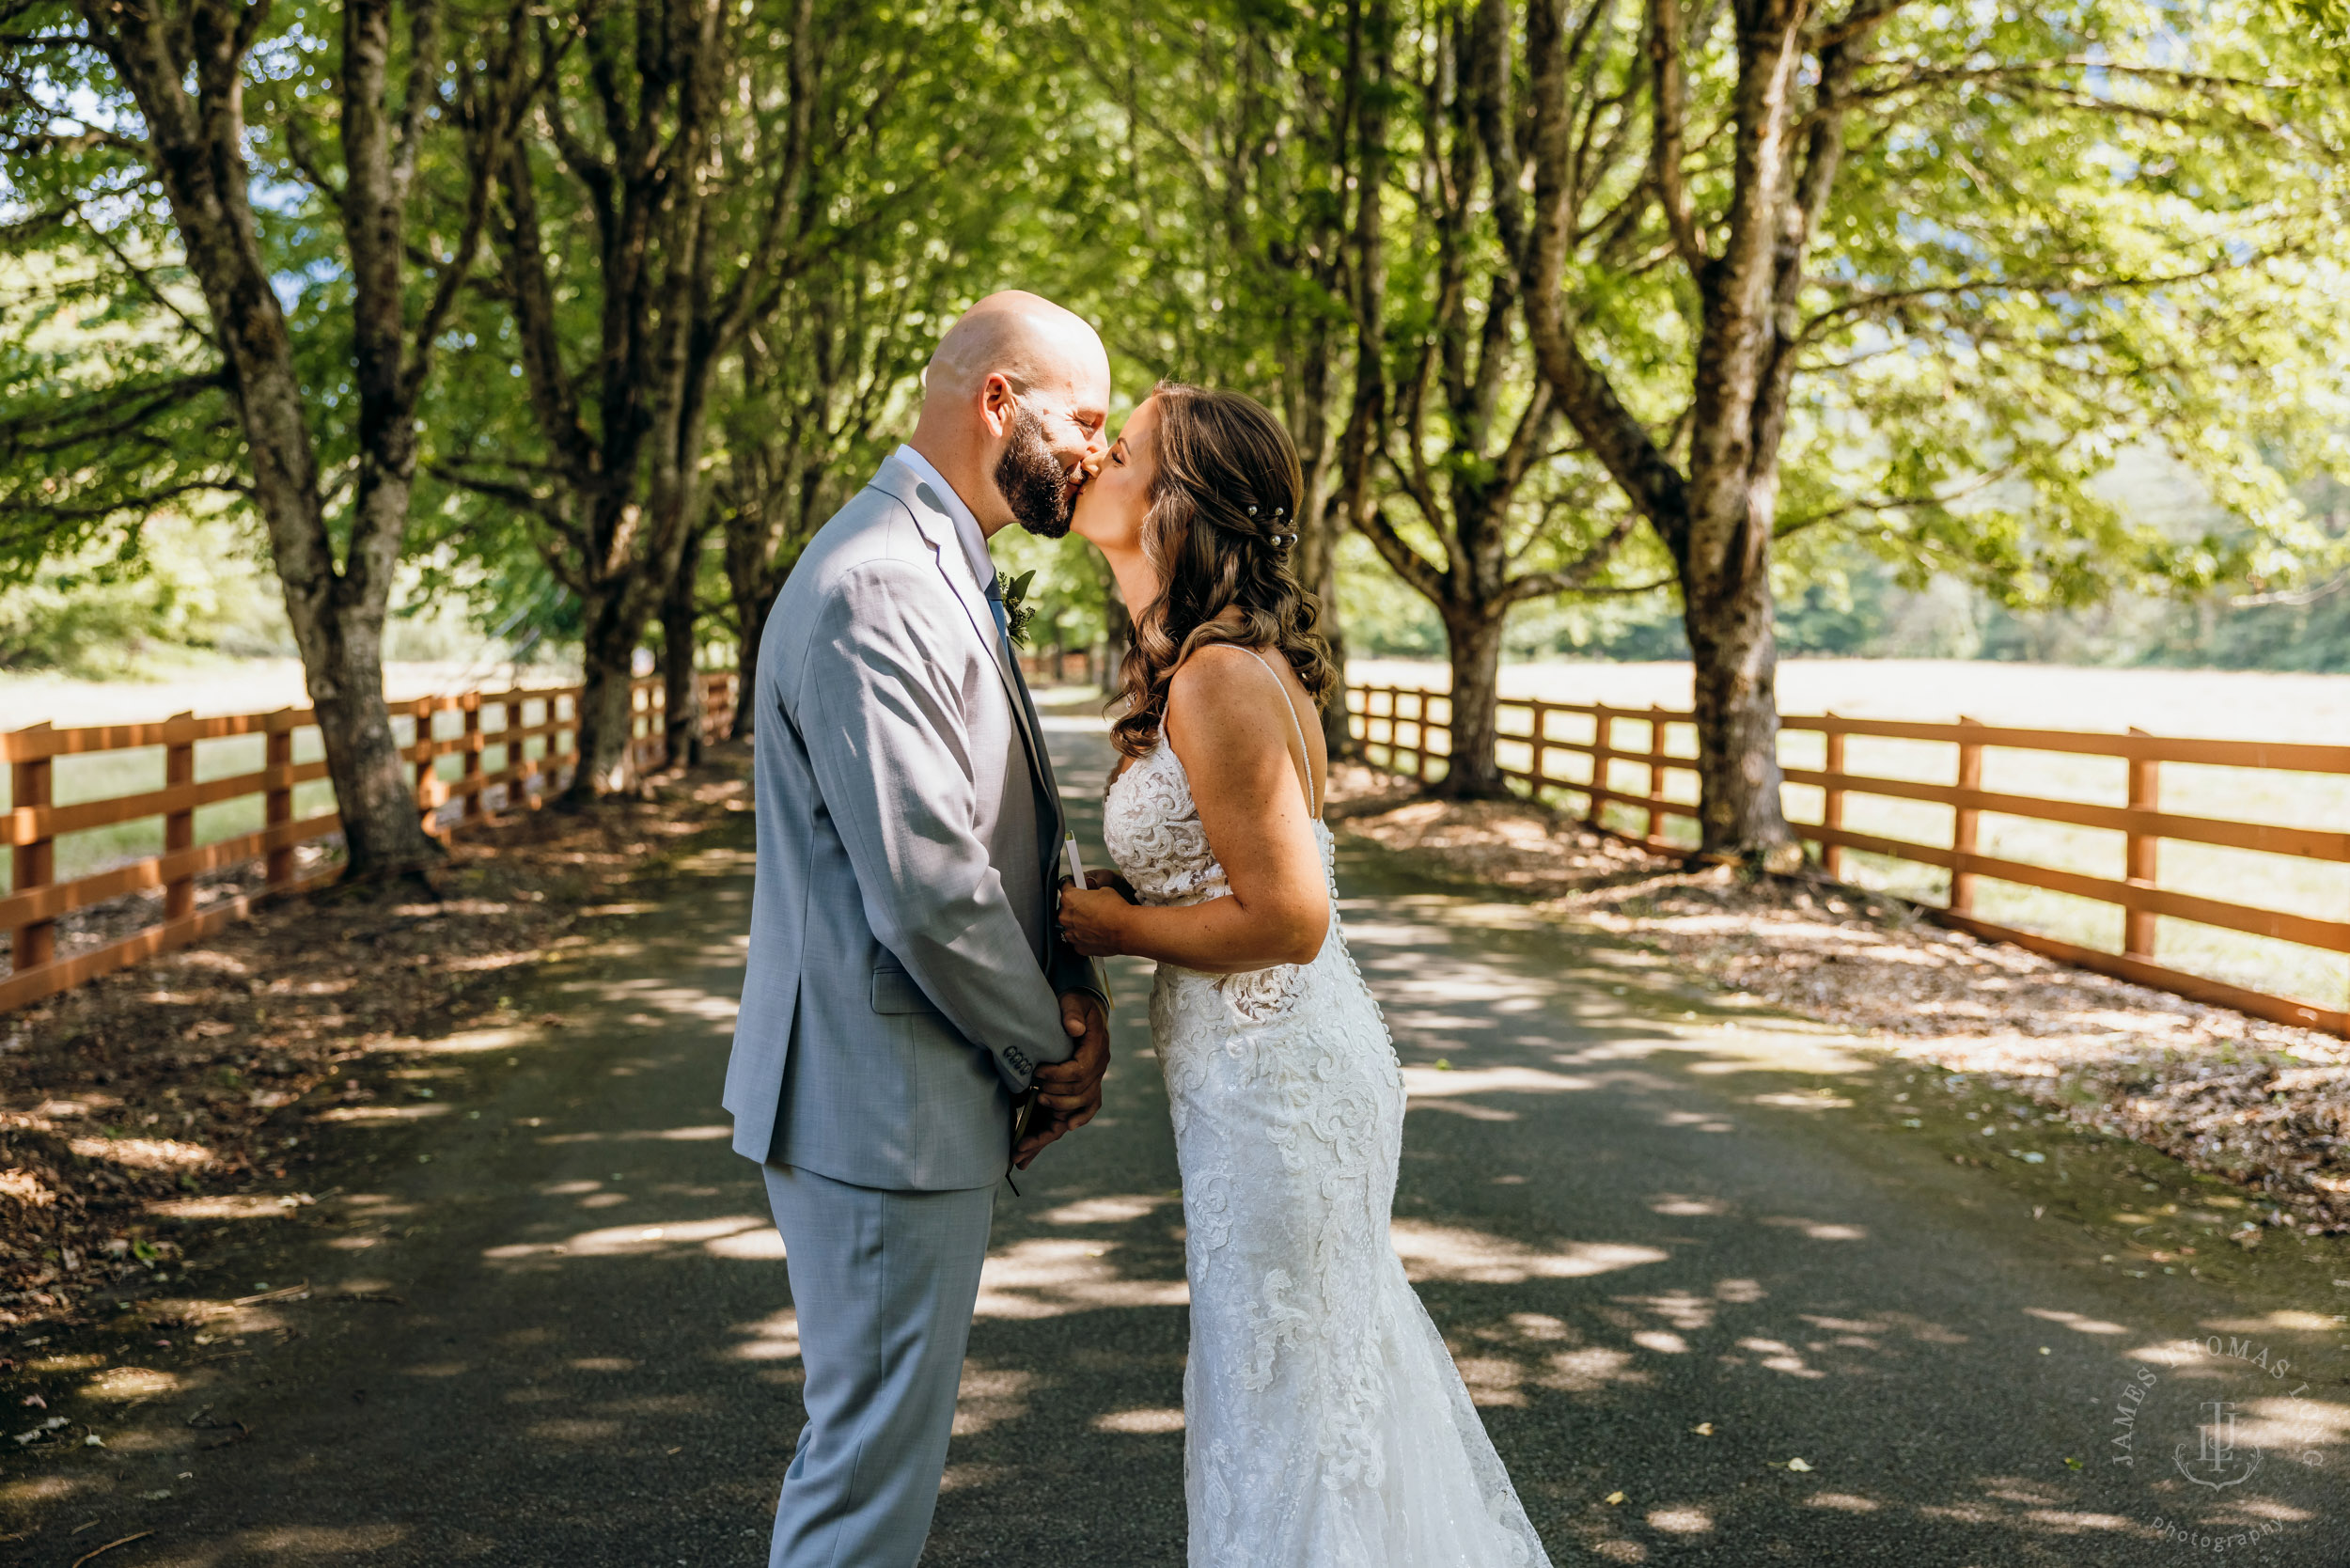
[277, 798]
[469, 804]
[517, 767]
[2138, 925]
[424, 772]
[1602, 748]
[34, 862]
[1422, 711]
[1832, 805]
[717, 705]
[1656, 756]
[1964, 824]
[1540, 745]
[180, 827]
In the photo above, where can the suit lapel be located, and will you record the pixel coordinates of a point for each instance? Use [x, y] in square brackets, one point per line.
[938, 530]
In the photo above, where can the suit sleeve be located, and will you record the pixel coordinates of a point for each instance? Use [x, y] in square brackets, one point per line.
[886, 740]
[1073, 971]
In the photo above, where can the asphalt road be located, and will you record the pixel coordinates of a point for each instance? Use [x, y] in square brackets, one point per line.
[1718, 1303]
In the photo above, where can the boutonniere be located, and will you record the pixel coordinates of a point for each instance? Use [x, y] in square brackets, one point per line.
[1018, 612]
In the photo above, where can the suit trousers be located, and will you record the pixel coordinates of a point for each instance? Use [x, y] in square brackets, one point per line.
[884, 1283]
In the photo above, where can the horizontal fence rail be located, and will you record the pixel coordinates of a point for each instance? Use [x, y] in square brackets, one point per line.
[1408, 730]
[537, 740]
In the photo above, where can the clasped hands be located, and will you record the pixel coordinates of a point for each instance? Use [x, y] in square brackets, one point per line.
[1069, 1093]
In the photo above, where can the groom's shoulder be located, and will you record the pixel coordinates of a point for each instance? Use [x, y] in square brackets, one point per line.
[872, 527]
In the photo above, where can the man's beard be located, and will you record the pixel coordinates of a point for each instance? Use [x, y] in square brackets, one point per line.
[1034, 483]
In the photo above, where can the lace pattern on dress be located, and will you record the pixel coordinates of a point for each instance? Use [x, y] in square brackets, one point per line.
[1325, 1423]
[1162, 851]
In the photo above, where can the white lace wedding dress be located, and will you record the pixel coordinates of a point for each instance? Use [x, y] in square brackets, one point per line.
[1325, 1423]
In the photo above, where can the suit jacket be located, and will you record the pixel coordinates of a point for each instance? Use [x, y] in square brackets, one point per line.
[904, 968]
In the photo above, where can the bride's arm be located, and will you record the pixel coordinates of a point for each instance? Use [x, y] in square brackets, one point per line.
[1228, 727]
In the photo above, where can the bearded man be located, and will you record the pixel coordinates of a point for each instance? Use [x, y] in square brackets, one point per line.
[913, 1023]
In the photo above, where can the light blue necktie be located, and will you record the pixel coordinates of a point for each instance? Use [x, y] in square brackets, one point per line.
[1003, 622]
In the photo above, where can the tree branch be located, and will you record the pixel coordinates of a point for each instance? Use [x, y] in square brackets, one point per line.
[1422, 576]
[1669, 107]
[1571, 577]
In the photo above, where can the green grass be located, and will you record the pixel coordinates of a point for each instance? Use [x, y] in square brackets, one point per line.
[2190, 703]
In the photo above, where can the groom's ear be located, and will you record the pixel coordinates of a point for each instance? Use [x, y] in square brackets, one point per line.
[997, 402]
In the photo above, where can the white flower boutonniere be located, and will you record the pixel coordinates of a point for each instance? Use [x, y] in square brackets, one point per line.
[1018, 612]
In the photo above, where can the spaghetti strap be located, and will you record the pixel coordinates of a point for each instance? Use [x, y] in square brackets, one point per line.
[1305, 752]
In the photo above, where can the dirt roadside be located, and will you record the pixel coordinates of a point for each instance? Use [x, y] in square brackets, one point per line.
[143, 1113]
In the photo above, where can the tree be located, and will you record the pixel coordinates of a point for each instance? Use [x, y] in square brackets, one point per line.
[1471, 454]
[2041, 234]
[636, 233]
[129, 126]
[808, 424]
[916, 198]
[689, 173]
[1299, 209]
[1212, 241]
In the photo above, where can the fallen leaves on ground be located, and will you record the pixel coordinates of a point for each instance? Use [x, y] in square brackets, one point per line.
[136, 1108]
[2265, 1105]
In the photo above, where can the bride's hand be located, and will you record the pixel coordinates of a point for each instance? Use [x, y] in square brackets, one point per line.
[1092, 917]
[1110, 880]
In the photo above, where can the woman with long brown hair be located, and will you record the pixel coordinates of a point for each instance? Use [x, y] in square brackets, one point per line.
[1325, 1423]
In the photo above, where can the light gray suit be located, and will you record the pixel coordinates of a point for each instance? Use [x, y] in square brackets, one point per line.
[902, 985]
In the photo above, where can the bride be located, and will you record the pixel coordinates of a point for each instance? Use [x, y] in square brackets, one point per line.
[1325, 1423]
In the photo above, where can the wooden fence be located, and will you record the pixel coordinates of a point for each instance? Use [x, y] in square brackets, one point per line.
[1397, 723]
[1060, 666]
[35, 899]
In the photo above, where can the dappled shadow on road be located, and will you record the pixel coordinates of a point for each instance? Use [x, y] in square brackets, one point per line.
[1711, 1304]
[1715, 1308]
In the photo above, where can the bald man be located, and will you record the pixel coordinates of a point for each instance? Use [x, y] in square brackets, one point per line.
[912, 1024]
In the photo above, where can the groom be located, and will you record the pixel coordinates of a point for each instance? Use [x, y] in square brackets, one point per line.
[906, 985]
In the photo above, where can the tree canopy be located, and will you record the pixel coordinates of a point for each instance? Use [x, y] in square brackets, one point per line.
[593, 316]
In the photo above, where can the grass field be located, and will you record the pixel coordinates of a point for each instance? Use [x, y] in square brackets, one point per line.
[2228, 705]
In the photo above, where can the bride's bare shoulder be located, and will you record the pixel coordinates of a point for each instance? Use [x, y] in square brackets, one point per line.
[1221, 672]
[1221, 686]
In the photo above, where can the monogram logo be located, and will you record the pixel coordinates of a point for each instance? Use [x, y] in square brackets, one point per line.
[2217, 1460]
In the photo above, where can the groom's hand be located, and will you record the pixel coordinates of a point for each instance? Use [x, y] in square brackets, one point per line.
[1070, 1092]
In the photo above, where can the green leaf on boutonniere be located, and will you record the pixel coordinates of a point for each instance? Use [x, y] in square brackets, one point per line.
[1018, 612]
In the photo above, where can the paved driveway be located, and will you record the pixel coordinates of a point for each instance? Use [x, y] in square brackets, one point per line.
[1717, 1303]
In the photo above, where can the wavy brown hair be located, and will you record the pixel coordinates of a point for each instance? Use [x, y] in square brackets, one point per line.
[1224, 506]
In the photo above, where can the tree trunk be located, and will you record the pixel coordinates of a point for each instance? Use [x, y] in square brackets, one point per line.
[1735, 656]
[195, 145]
[751, 608]
[1473, 635]
[608, 649]
[680, 680]
[681, 690]
[342, 662]
[1337, 736]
